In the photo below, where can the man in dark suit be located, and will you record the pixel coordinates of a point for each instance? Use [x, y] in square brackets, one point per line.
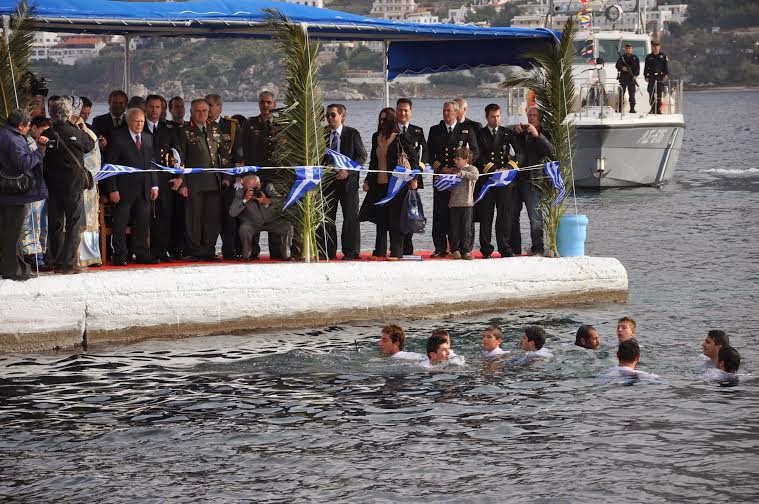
[199, 146]
[343, 188]
[442, 143]
[229, 129]
[495, 143]
[164, 134]
[255, 146]
[415, 135]
[133, 192]
[103, 125]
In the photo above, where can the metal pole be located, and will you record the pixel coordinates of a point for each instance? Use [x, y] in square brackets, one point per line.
[127, 64]
[386, 90]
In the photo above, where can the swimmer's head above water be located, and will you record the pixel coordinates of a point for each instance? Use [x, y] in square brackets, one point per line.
[587, 337]
[393, 339]
[628, 353]
[533, 339]
[626, 329]
[438, 348]
[492, 337]
[728, 359]
[715, 340]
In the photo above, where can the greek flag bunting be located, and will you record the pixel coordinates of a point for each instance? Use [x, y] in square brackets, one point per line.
[554, 173]
[239, 170]
[342, 161]
[109, 170]
[401, 177]
[497, 179]
[445, 182]
[306, 178]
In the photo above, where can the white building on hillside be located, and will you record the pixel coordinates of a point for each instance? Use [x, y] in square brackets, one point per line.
[42, 43]
[421, 16]
[393, 9]
[458, 16]
[74, 49]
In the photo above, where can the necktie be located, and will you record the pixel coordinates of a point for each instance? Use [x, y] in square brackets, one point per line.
[203, 130]
[404, 129]
[493, 132]
[138, 142]
[450, 130]
[333, 142]
[117, 122]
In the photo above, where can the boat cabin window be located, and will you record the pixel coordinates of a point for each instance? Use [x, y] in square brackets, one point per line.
[610, 50]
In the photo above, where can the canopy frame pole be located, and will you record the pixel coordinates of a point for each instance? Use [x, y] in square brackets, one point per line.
[127, 64]
[386, 85]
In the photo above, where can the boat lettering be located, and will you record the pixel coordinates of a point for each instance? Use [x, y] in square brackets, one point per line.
[653, 136]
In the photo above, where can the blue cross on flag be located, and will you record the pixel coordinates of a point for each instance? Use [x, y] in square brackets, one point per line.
[445, 182]
[306, 178]
[497, 179]
[554, 173]
[401, 177]
[342, 161]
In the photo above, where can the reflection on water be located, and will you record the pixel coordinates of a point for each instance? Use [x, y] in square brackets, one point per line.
[301, 416]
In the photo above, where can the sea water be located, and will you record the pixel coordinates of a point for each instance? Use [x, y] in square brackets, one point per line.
[318, 416]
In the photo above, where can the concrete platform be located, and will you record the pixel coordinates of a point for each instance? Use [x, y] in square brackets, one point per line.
[58, 311]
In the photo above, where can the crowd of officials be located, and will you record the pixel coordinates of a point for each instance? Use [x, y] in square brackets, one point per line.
[172, 217]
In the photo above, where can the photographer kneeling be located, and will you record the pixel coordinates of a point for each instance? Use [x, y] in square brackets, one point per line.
[253, 205]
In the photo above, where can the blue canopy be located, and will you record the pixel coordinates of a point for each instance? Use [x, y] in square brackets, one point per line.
[415, 48]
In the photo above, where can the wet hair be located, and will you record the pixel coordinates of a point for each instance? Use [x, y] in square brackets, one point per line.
[493, 107]
[463, 152]
[628, 351]
[86, 102]
[396, 334]
[442, 332]
[390, 124]
[537, 335]
[583, 333]
[115, 93]
[729, 358]
[61, 110]
[629, 320]
[18, 117]
[401, 101]
[495, 331]
[434, 342]
[41, 122]
[719, 337]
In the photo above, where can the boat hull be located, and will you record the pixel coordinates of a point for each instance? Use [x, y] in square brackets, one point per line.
[626, 155]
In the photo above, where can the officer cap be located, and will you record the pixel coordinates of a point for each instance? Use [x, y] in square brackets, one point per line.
[628, 45]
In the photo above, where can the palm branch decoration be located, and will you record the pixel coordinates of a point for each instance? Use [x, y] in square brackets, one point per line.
[15, 49]
[551, 79]
[302, 140]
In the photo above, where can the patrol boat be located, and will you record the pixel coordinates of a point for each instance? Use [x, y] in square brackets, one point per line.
[615, 147]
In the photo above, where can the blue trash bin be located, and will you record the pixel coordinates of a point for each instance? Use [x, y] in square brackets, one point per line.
[570, 238]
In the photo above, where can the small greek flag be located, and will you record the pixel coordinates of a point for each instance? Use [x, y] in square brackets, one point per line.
[239, 170]
[497, 179]
[306, 178]
[109, 170]
[401, 177]
[554, 173]
[445, 182]
[342, 161]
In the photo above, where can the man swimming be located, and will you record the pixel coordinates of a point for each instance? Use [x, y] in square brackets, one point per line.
[625, 329]
[714, 341]
[392, 341]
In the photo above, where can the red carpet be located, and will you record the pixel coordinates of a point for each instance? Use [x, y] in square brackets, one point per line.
[365, 257]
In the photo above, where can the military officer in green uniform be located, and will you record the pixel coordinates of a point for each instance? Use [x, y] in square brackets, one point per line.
[444, 139]
[495, 143]
[200, 146]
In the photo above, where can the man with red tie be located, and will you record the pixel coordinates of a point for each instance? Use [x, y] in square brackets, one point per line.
[132, 192]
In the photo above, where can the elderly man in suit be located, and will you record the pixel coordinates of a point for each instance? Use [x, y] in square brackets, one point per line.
[133, 192]
[343, 189]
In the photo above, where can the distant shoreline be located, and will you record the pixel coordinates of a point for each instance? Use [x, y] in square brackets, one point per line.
[708, 89]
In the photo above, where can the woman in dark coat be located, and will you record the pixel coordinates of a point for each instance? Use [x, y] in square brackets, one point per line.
[387, 144]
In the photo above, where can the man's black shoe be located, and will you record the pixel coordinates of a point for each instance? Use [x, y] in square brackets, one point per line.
[507, 254]
[118, 261]
[485, 256]
[438, 253]
[18, 278]
[147, 260]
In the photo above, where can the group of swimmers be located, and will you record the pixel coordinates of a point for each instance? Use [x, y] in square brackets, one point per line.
[718, 354]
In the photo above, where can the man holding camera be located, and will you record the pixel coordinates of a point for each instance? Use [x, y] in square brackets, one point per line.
[254, 208]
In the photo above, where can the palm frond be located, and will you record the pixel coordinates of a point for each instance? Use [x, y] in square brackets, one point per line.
[15, 50]
[551, 79]
[302, 140]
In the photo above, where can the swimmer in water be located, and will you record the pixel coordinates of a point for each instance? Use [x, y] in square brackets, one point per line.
[492, 337]
[715, 340]
[628, 354]
[728, 360]
[587, 337]
[533, 342]
[625, 329]
[392, 341]
[438, 350]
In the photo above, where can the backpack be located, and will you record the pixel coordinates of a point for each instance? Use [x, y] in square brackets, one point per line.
[412, 214]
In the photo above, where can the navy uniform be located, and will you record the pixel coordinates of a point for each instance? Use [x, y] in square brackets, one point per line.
[628, 67]
[229, 242]
[165, 136]
[441, 148]
[655, 71]
[255, 147]
[494, 146]
[415, 136]
[200, 147]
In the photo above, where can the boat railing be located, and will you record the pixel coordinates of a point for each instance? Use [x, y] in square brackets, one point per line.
[600, 101]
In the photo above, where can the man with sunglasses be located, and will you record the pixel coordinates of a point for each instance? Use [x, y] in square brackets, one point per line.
[343, 188]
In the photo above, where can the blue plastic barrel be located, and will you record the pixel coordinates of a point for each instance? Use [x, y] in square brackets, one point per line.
[570, 238]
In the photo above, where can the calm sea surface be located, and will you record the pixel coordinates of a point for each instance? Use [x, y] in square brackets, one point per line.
[318, 416]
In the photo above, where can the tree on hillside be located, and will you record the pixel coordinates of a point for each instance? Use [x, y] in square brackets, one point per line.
[726, 14]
